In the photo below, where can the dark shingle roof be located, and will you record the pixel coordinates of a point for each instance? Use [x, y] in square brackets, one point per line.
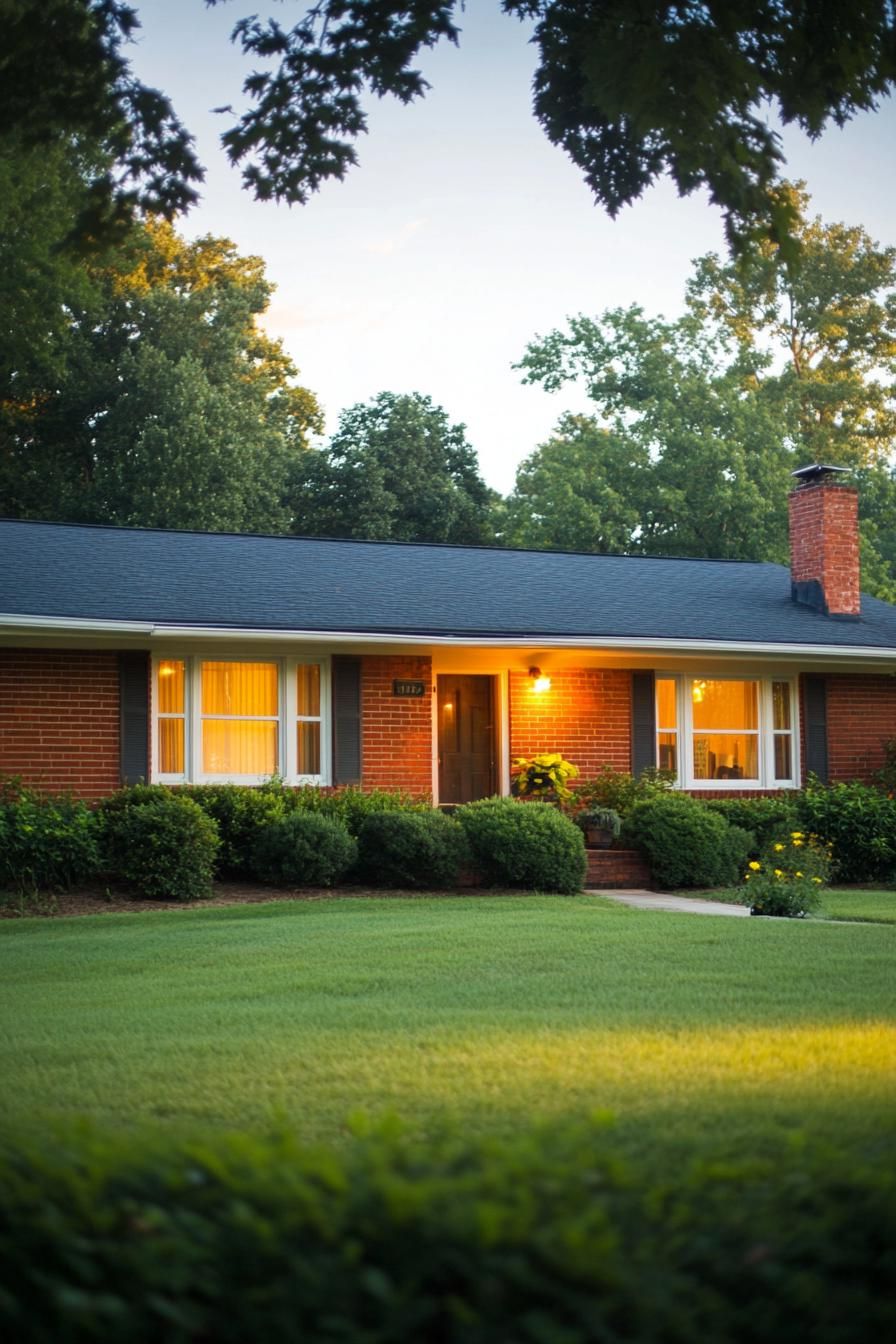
[296, 583]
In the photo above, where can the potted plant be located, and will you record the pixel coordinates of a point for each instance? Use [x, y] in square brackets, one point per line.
[601, 826]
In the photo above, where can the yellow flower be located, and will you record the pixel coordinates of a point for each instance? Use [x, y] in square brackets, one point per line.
[755, 866]
[798, 874]
[778, 873]
[747, 876]
[797, 835]
[778, 848]
[816, 879]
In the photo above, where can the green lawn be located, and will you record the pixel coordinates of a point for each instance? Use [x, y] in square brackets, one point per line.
[848, 903]
[879, 906]
[496, 1010]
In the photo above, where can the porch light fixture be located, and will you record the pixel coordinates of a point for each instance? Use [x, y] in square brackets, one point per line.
[539, 683]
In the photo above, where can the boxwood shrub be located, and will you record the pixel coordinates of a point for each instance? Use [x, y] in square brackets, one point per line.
[410, 849]
[303, 849]
[859, 822]
[353, 806]
[686, 844]
[543, 1238]
[517, 844]
[240, 813]
[160, 842]
[45, 842]
[769, 819]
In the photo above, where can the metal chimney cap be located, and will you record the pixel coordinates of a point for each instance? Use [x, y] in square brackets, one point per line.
[818, 473]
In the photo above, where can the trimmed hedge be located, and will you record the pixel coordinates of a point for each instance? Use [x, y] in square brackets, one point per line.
[686, 844]
[303, 850]
[240, 813]
[45, 842]
[769, 819]
[409, 849]
[545, 1238]
[531, 845]
[859, 822]
[160, 842]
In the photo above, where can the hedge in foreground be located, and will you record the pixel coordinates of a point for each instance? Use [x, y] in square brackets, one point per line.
[686, 844]
[410, 849]
[543, 1238]
[303, 849]
[531, 845]
[160, 842]
[45, 842]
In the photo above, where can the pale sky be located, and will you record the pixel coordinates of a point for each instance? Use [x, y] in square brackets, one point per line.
[462, 233]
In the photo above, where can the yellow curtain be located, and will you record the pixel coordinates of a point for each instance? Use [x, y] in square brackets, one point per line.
[248, 692]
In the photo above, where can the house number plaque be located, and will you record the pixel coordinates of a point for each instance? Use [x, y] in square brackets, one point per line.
[410, 690]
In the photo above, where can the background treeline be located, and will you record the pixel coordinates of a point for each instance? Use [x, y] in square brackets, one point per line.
[138, 387]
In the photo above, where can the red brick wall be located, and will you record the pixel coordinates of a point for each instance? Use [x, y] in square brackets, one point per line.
[586, 716]
[824, 543]
[59, 720]
[861, 718]
[396, 733]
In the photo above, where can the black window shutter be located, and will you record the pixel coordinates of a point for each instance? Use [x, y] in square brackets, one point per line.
[346, 720]
[643, 721]
[133, 684]
[816, 702]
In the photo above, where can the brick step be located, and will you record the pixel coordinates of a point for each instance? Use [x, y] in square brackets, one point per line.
[616, 868]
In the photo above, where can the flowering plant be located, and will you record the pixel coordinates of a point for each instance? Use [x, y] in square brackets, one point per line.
[537, 776]
[786, 881]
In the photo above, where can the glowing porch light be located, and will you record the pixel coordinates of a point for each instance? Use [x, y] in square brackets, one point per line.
[539, 682]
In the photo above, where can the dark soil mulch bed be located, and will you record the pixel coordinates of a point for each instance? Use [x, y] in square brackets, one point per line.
[117, 900]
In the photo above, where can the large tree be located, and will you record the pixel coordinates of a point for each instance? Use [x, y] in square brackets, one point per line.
[630, 89]
[699, 421]
[395, 470]
[169, 406]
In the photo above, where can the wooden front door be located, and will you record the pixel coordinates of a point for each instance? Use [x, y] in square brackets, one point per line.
[467, 737]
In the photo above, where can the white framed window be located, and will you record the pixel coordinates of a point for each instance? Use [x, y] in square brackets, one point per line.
[241, 720]
[728, 732]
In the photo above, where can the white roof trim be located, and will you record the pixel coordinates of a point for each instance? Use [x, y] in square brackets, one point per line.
[534, 638]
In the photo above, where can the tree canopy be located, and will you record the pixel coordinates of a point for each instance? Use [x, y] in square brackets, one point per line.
[395, 470]
[163, 403]
[699, 421]
[629, 89]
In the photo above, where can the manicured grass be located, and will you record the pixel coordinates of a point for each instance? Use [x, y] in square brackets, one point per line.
[879, 906]
[494, 1010]
[837, 903]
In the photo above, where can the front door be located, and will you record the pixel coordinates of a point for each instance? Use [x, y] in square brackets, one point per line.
[466, 709]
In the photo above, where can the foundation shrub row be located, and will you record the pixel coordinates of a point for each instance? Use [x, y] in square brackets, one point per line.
[171, 842]
[548, 1235]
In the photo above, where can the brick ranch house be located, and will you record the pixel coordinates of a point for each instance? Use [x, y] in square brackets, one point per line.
[174, 656]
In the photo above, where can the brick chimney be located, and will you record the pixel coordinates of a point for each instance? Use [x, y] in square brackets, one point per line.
[824, 542]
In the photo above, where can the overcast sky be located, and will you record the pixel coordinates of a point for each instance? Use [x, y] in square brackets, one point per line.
[462, 233]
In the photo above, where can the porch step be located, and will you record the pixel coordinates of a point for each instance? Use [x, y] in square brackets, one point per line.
[609, 868]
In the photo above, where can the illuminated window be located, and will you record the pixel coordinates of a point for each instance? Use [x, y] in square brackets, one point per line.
[172, 725]
[726, 732]
[240, 720]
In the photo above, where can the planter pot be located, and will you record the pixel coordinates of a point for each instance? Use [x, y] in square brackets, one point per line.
[597, 837]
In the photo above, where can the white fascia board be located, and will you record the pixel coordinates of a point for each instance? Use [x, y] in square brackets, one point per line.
[528, 641]
[533, 639]
[51, 623]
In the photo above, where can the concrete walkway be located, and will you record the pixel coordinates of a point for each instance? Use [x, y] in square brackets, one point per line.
[690, 905]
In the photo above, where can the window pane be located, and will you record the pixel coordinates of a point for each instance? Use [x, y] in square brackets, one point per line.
[309, 749]
[234, 748]
[668, 751]
[726, 756]
[171, 687]
[725, 704]
[666, 708]
[781, 704]
[171, 746]
[239, 688]
[783, 768]
[308, 675]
